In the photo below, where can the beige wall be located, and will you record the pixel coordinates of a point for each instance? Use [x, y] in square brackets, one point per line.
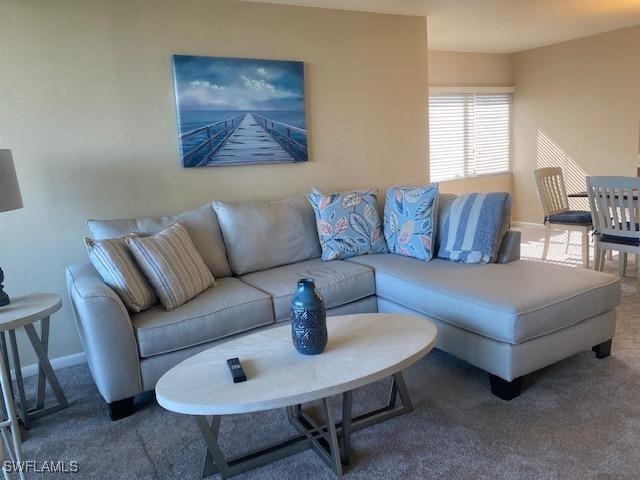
[87, 106]
[469, 69]
[482, 183]
[577, 105]
[475, 70]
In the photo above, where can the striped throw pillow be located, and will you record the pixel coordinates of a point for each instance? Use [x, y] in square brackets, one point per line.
[172, 265]
[118, 269]
[474, 227]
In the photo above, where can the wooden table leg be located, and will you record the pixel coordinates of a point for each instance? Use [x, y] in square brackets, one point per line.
[14, 448]
[44, 339]
[332, 437]
[5, 358]
[22, 398]
[345, 434]
[43, 360]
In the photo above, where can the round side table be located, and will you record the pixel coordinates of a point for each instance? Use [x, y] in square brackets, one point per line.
[24, 311]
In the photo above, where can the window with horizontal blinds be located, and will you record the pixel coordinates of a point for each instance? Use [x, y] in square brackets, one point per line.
[469, 134]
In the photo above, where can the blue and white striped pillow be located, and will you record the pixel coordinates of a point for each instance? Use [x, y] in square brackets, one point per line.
[474, 227]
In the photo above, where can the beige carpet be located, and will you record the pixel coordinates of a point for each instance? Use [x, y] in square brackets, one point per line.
[577, 419]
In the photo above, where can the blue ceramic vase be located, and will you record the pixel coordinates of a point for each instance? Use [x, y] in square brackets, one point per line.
[308, 319]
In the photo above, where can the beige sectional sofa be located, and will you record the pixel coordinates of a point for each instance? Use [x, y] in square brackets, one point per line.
[508, 318]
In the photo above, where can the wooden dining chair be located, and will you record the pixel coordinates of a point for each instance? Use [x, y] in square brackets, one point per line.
[615, 208]
[557, 215]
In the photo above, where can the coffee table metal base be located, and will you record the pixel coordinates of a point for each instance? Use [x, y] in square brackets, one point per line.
[331, 440]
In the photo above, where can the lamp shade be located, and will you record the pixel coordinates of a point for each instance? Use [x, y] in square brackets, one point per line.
[10, 198]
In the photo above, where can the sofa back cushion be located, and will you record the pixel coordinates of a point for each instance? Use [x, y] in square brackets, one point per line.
[263, 235]
[201, 224]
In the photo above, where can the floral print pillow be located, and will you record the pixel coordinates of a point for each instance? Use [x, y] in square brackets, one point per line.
[348, 224]
[410, 220]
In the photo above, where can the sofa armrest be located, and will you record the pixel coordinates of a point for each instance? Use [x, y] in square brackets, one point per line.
[106, 334]
[510, 247]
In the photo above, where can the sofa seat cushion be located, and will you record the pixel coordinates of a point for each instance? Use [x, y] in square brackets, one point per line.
[511, 302]
[339, 282]
[229, 307]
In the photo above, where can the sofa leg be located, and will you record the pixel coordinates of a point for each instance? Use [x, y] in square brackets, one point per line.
[505, 390]
[121, 408]
[603, 350]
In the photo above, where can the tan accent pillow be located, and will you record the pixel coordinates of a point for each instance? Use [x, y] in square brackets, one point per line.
[172, 264]
[118, 269]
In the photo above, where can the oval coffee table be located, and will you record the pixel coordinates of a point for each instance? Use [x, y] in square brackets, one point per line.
[362, 349]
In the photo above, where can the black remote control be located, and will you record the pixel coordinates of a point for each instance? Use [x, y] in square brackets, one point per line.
[236, 370]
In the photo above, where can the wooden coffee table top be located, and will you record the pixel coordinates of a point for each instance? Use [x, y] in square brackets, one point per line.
[362, 348]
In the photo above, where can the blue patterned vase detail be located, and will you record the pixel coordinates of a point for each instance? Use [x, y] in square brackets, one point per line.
[308, 319]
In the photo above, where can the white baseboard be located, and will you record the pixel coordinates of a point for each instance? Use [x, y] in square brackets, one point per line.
[56, 363]
[528, 224]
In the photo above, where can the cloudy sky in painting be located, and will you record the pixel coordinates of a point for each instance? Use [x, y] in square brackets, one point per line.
[238, 84]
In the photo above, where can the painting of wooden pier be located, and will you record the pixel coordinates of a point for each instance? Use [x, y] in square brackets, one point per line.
[239, 111]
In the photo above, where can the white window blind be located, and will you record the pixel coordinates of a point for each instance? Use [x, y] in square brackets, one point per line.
[469, 134]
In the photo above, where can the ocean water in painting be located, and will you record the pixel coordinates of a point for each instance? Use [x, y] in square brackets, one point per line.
[239, 111]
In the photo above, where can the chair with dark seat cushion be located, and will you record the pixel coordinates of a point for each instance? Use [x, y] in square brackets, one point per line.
[621, 240]
[615, 208]
[557, 216]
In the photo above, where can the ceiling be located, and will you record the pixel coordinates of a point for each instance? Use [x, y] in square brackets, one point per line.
[499, 26]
